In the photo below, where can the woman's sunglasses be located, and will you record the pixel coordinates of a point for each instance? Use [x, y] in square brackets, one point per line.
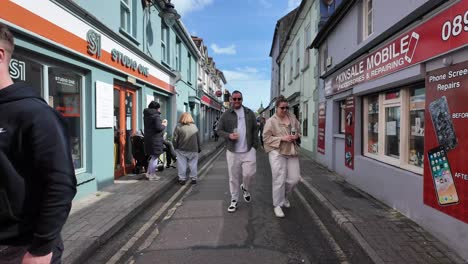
[237, 99]
[284, 107]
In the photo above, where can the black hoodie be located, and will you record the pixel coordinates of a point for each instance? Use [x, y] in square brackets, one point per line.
[37, 177]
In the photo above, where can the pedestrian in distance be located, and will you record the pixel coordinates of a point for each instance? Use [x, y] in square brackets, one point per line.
[187, 146]
[261, 126]
[37, 176]
[171, 156]
[238, 126]
[154, 130]
[282, 145]
[215, 126]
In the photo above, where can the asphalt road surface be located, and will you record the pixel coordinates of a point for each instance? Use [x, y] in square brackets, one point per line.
[190, 224]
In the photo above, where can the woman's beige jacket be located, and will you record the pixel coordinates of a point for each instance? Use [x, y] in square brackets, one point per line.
[274, 130]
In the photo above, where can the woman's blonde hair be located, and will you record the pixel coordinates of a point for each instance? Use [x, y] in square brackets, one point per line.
[186, 118]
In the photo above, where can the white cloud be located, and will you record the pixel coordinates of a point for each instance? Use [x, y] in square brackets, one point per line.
[266, 3]
[251, 82]
[293, 4]
[186, 6]
[230, 50]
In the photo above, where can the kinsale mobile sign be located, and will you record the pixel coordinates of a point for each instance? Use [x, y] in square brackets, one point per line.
[444, 32]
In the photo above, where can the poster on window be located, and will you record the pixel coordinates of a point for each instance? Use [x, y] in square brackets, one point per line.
[322, 114]
[349, 132]
[446, 141]
[104, 105]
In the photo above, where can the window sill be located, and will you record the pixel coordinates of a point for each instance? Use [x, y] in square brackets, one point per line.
[395, 163]
[165, 64]
[339, 136]
[130, 37]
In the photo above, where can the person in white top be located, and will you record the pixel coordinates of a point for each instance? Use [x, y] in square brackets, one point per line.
[238, 126]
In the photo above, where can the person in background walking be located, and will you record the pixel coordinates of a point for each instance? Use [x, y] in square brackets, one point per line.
[239, 127]
[260, 128]
[37, 176]
[153, 138]
[171, 156]
[187, 146]
[215, 126]
[281, 143]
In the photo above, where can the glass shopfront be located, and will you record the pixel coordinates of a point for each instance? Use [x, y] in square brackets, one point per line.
[62, 90]
[394, 127]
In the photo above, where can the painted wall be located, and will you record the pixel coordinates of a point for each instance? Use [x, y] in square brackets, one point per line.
[386, 14]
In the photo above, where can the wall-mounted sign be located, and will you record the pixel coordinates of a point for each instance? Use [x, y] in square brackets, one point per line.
[322, 114]
[349, 132]
[446, 141]
[104, 105]
[128, 62]
[208, 101]
[444, 32]
[94, 43]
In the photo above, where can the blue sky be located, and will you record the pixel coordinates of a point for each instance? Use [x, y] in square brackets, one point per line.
[238, 34]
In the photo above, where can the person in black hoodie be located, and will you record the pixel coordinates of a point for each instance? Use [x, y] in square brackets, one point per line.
[37, 177]
[154, 130]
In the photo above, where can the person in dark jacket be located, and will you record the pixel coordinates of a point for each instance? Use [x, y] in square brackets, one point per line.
[154, 130]
[37, 177]
[238, 127]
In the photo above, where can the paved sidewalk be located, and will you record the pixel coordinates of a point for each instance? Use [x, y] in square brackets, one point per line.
[97, 217]
[385, 235]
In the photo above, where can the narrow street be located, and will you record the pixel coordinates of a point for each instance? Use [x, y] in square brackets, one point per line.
[196, 228]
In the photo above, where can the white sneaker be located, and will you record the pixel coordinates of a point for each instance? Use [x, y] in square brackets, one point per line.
[233, 206]
[278, 212]
[153, 177]
[286, 203]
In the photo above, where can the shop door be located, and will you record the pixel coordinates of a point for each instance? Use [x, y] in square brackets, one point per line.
[124, 128]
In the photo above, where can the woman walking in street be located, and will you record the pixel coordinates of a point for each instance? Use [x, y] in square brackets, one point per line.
[281, 142]
[187, 146]
[153, 137]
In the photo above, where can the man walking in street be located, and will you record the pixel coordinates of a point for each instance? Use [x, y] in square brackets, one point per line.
[239, 127]
[37, 177]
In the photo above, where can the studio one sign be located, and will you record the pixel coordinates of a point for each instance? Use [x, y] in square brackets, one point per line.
[446, 31]
[94, 49]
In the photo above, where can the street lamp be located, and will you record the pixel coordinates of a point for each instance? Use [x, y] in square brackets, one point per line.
[169, 14]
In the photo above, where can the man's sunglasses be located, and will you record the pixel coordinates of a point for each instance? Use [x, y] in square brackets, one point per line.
[237, 99]
[284, 107]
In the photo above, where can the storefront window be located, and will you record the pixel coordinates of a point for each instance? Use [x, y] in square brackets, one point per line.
[65, 97]
[394, 127]
[416, 118]
[342, 117]
[28, 71]
[392, 131]
[373, 125]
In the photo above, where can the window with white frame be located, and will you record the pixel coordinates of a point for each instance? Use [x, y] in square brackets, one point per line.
[165, 49]
[63, 91]
[305, 120]
[127, 17]
[368, 18]
[297, 58]
[283, 77]
[342, 116]
[189, 68]
[307, 42]
[394, 127]
[291, 64]
[323, 58]
[178, 63]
